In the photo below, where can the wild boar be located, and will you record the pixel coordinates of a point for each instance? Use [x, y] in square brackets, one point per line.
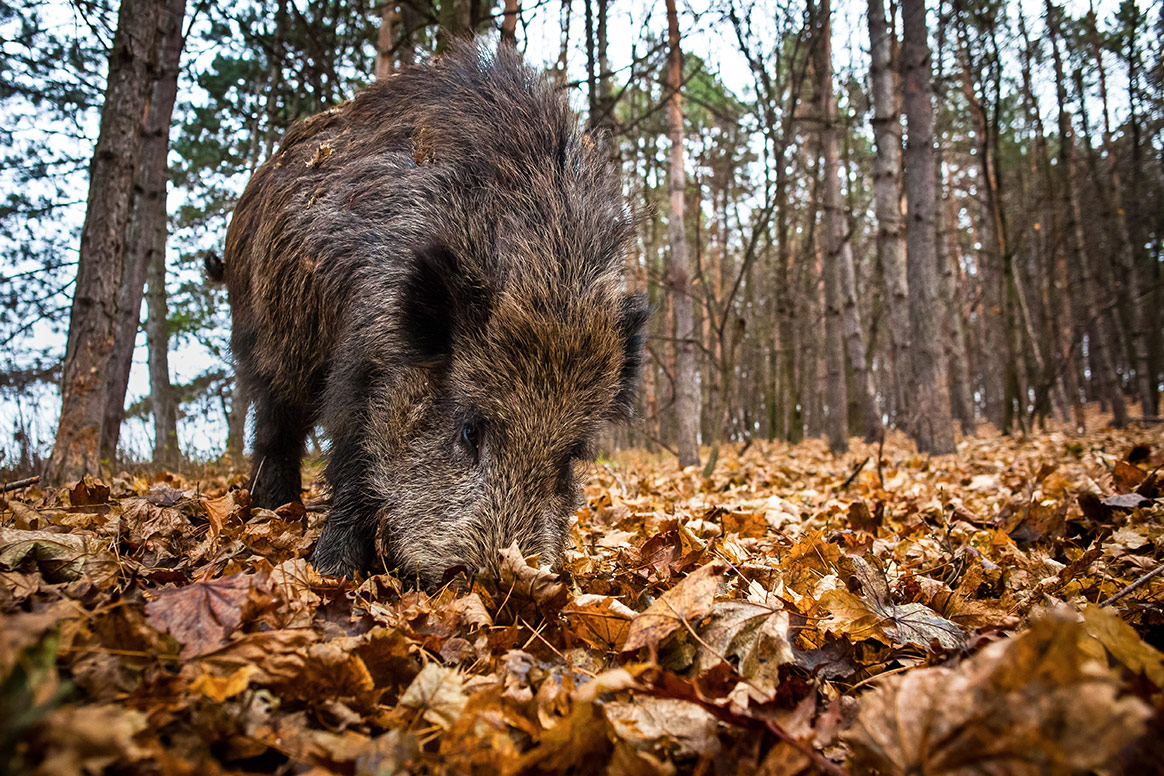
[433, 272]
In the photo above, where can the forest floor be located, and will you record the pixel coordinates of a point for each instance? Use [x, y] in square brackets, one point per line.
[990, 612]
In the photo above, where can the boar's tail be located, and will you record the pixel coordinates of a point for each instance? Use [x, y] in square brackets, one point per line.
[215, 268]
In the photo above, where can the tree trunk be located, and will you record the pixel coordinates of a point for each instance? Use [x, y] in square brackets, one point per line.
[887, 198]
[410, 24]
[933, 426]
[687, 398]
[1094, 318]
[165, 403]
[844, 332]
[454, 23]
[994, 255]
[93, 317]
[1128, 287]
[384, 40]
[509, 22]
[147, 234]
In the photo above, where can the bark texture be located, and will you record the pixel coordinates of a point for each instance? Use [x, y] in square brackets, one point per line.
[147, 234]
[887, 196]
[112, 171]
[687, 396]
[842, 317]
[932, 423]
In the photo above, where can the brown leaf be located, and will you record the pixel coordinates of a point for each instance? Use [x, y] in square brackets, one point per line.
[540, 586]
[220, 688]
[437, 693]
[1127, 476]
[600, 620]
[688, 602]
[59, 557]
[1042, 702]
[648, 723]
[88, 491]
[201, 615]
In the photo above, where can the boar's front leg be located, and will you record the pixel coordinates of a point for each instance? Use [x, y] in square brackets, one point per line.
[348, 541]
[280, 433]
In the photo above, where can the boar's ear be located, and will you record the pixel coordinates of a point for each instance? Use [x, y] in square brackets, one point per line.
[439, 298]
[632, 322]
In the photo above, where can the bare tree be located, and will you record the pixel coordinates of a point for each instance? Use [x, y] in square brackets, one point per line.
[509, 22]
[1090, 317]
[887, 196]
[384, 39]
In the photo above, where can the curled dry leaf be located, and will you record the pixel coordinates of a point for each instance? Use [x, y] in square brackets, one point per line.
[649, 723]
[517, 576]
[59, 557]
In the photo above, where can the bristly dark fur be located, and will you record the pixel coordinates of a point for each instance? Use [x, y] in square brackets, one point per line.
[434, 272]
[215, 269]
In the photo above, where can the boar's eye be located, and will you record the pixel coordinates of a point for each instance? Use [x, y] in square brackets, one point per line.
[471, 438]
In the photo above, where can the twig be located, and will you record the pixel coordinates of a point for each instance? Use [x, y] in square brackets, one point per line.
[856, 471]
[1135, 585]
[18, 484]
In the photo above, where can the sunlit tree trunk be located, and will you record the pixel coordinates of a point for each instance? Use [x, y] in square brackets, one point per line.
[112, 172]
[687, 399]
[509, 22]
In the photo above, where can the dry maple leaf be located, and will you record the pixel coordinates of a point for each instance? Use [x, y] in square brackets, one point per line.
[600, 620]
[1042, 702]
[647, 723]
[201, 615]
[686, 603]
[436, 692]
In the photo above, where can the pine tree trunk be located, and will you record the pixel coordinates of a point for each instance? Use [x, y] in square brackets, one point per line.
[93, 318]
[842, 319]
[933, 426]
[887, 198]
[147, 233]
[1094, 318]
[994, 255]
[162, 397]
[687, 398]
[384, 39]
[1129, 287]
[509, 22]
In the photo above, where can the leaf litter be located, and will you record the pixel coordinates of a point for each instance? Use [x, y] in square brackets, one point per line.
[997, 611]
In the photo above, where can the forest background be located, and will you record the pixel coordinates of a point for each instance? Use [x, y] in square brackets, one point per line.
[842, 232]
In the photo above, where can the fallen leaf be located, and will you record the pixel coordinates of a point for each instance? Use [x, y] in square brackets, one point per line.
[1042, 702]
[600, 620]
[437, 693]
[201, 615]
[685, 604]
